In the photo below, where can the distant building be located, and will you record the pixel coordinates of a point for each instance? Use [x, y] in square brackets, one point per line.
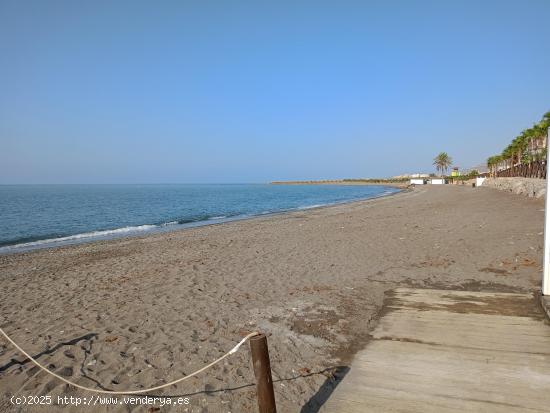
[479, 181]
[411, 176]
[481, 169]
[536, 147]
[425, 181]
[455, 171]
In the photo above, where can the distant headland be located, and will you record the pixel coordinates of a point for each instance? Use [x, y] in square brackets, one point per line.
[397, 181]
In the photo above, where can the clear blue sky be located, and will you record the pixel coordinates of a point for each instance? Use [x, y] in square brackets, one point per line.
[229, 91]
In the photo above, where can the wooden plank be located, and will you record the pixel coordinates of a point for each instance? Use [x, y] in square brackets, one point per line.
[450, 351]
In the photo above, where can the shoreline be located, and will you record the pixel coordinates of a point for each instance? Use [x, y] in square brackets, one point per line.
[144, 309]
[78, 239]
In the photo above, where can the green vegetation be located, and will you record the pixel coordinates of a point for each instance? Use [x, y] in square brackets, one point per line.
[442, 162]
[470, 175]
[526, 148]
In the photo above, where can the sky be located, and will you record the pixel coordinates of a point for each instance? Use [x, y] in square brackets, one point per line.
[218, 91]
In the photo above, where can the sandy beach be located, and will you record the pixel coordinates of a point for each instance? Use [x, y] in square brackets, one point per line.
[137, 312]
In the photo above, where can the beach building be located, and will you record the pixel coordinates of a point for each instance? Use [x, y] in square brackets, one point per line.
[438, 181]
[455, 171]
[418, 178]
[418, 181]
[536, 147]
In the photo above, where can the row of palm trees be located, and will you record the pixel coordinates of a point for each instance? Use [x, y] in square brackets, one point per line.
[527, 149]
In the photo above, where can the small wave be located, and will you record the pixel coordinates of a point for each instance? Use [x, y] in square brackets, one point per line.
[220, 217]
[77, 237]
[312, 206]
[165, 224]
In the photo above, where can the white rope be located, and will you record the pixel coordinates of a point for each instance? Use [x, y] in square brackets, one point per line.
[232, 351]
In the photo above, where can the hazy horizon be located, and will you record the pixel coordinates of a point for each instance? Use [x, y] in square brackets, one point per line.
[206, 92]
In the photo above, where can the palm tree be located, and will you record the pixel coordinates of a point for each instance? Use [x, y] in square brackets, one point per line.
[442, 162]
[507, 155]
[493, 163]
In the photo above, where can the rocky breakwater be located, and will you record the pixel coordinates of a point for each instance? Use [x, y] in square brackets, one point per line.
[531, 187]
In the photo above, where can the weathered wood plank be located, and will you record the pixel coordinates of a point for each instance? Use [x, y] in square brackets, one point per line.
[450, 351]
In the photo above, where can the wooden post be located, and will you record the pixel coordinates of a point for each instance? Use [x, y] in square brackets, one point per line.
[262, 371]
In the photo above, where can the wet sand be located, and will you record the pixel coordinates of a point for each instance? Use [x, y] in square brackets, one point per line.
[138, 312]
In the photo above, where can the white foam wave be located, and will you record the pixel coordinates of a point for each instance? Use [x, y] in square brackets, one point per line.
[77, 237]
[312, 206]
[169, 223]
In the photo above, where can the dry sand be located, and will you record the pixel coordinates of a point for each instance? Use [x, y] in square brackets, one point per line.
[137, 312]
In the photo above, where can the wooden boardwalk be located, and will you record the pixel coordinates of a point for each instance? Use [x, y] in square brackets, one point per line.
[451, 351]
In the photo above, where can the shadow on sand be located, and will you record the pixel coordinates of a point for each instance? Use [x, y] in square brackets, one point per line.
[318, 399]
[334, 376]
[52, 350]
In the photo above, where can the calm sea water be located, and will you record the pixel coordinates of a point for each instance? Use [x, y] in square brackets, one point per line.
[35, 216]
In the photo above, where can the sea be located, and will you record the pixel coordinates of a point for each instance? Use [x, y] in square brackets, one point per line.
[43, 216]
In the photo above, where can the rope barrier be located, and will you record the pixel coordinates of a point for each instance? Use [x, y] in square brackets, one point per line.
[230, 352]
